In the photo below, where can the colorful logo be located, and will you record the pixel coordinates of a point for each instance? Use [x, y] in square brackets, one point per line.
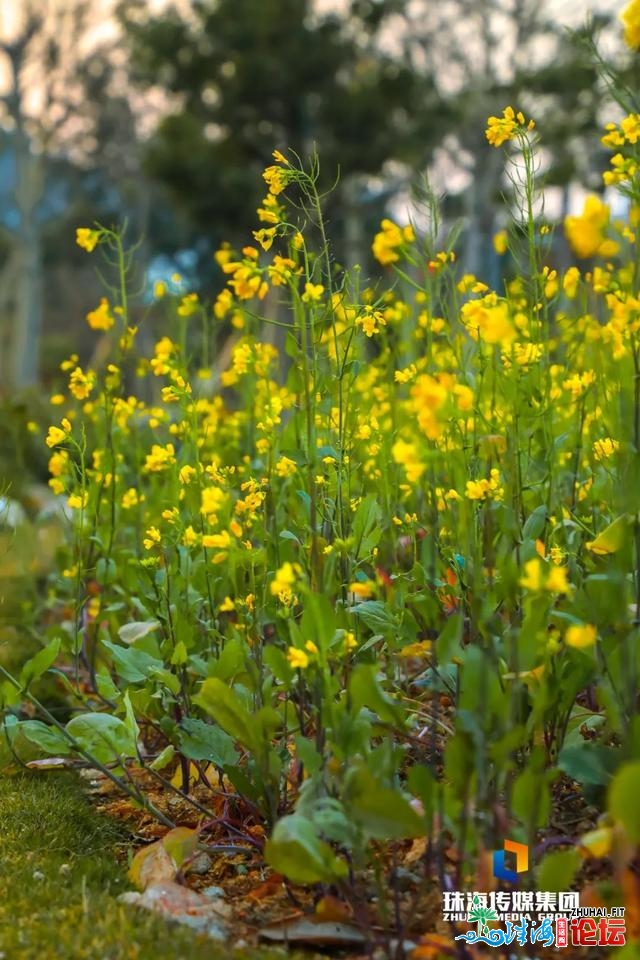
[501, 871]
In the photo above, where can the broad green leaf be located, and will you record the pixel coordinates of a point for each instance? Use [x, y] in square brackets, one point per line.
[164, 758]
[535, 525]
[47, 738]
[206, 741]
[134, 666]
[612, 538]
[130, 632]
[557, 869]
[226, 708]
[381, 812]
[377, 616]
[587, 763]
[295, 851]
[366, 528]
[103, 736]
[130, 718]
[36, 666]
[365, 691]
[623, 799]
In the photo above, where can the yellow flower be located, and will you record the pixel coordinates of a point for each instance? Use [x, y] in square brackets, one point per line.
[130, 499]
[227, 605]
[81, 384]
[186, 474]
[570, 282]
[507, 127]
[371, 320]
[190, 537]
[390, 240]
[406, 454]
[283, 582]
[298, 659]
[78, 501]
[57, 435]
[581, 635]
[276, 179]
[312, 292]
[87, 238]
[101, 318]
[216, 541]
[603, 449]
[586, 232]
[630, 18]
[286, 467]
[152, 537]
[532, 579]
[579, 383]
[265, 237]
[58, 463]
[188, 305]
[362, 589]
[487, 319]
[160, 458]
[557, 581]
[501, 242]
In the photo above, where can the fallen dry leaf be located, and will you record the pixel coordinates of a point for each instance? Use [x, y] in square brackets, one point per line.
[433, 946]
[307, 930]
[331, 909]
[151, 865]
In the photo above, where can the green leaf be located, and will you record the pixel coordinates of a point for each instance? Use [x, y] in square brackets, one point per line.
[36, 666]
[226, 708]
[612, 538]
[534, 527]
[365, 691]
[557, 869]
[47, 738]
[204, 741]
[366, 529]
[103, 736]
[134, 666]
[130, 632]
[376, 615]
[295, 851]
[587, 763]
[623, 799]
[381, 812]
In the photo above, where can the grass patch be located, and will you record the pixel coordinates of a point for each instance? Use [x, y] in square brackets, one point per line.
[61, 877]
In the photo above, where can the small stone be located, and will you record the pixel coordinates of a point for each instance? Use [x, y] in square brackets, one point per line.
[200, 864]
[213, 892]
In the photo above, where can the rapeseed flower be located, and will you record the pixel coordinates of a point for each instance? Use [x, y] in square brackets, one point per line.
[87, 238]
[389, 241]
[630, 18]
[586, 232]
[581, 635]
[298, 659]
[507, 127]
[605, 448]
[101, 318]
[59, 434]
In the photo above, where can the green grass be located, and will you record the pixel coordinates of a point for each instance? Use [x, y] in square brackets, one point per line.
[60, 879]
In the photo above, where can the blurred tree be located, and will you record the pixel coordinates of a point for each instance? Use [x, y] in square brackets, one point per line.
[65, 133]
[485, 55]
[247, 76]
